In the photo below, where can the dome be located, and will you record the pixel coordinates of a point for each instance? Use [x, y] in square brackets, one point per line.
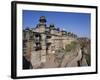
[42, 19]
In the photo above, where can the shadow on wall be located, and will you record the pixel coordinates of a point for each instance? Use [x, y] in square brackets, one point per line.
[26, 64]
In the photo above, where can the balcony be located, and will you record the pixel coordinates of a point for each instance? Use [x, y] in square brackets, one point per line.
[37, 40]
[48, 36]
[49, 40]
[38, 46]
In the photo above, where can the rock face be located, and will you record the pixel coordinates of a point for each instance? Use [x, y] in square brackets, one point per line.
[77, 56]
[74, 62]
[86, 51]
[83, 61]
[73, 58]
[35, 59]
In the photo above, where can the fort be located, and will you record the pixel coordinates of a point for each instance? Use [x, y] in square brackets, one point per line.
[43, 40]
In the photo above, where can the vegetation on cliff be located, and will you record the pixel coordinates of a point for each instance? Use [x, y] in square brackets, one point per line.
[70, 46]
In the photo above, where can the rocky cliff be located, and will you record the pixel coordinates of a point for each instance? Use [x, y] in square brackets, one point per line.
[74, 55]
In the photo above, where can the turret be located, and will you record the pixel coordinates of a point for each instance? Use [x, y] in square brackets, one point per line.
[42, 22]
[42, 19]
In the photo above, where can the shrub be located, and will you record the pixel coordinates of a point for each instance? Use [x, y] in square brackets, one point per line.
[70, 46]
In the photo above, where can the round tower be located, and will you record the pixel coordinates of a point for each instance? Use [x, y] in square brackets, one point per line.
[42, 22]
[42, 19]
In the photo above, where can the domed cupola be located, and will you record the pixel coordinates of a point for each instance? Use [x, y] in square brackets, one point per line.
[42, 19]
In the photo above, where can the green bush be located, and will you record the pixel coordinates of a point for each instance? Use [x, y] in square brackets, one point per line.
[70, 46]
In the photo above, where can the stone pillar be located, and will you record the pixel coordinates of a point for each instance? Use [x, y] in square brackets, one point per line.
[43, 51]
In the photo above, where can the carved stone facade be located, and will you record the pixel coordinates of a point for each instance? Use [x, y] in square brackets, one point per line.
[43, 40]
